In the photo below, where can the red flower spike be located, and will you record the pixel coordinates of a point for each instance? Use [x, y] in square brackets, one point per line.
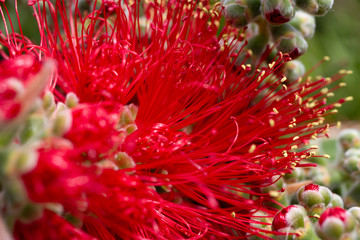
[207, 135]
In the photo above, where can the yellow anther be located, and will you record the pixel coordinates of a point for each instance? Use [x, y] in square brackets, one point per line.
[294, 147]
[275, 110]
[295, 138]
[324, 90]
[274, 194]
[271, 122]
[349, 98]
[326, 156]
[252, 148]
[342, 84]
[342, 71]
[326, 58]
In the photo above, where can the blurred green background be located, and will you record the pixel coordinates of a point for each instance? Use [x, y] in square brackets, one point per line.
[337, 36]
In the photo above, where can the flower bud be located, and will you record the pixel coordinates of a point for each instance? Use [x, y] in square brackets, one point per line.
[355, 211]
[352, 163]
[315, 7]
[336, 201]
[277, 11]
[295, 46]
[335, 223]
[49, 102]
[71, 100]
[289, 40]
[314, 198]
[294, 70]
[239, 13]
[293, 220]
[62, 121]
[349, 138]
[304, 23]
[123, 160]
[235, 14]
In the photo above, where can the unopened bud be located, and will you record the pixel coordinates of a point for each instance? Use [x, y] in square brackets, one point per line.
[62, 121]
[336, 201]
[277, 11]
[295, 46]
[123, 160]
[335, 223]
[239, 13]
[349, 138]
[49, 102]
[292, 219]
[355, 211]
[314, 198]
[294, 70]
[71, 100]
[235, 14]
[289, 40]
[305, 23]
[315, 7]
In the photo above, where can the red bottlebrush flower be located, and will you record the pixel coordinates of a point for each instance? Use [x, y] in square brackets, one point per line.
[208, 132]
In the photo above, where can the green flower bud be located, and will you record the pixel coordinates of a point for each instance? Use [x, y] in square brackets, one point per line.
[294, 70]
[295, 46]
[352, 163]
[335, 223]
[315, 7]
[123, 160]
[337, 201]
[355, 211]
[304, 23]
[349, 138]
[277, 11]
[71, 100]
[289, 40]
[235, 14]
[49, 102]
[62, 121]
[314, 198]
[239, 13]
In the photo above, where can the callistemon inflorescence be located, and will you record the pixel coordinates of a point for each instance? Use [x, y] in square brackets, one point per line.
[149, 130]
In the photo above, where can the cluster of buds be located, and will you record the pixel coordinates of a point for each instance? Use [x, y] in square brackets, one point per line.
[320, 215]
[282, 25]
